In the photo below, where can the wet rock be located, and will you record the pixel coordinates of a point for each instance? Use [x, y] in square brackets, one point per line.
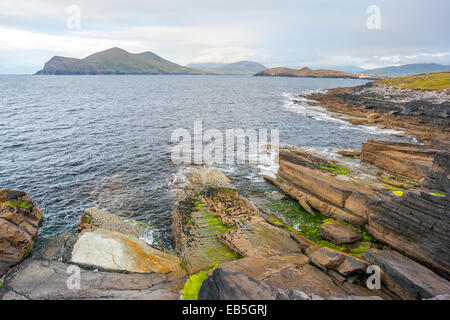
[416, 224]
[407, 159]
[115, 251]
[93, 218]
[406, 277]
[19, 222]
[338, 233]
[49, 275]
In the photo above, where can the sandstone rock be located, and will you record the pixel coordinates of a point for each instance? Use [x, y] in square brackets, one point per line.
[19, 222]
[407, 159]
[416, 225]
[406, 277]
[260, 239]
[286, 272]
[93, 218]
[326, 257]
[338, 233]
[115, 251]
[46, 276]
[349, 153]
[329, 258]
[325, 186]
[226, 285]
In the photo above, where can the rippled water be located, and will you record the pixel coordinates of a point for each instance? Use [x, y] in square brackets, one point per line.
[74, 142]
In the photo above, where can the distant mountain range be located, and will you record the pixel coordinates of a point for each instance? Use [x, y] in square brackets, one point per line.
[310, 73]
[408, 69]
[115, 61]
[240, 67]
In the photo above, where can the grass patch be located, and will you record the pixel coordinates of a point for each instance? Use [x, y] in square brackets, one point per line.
[426, 81]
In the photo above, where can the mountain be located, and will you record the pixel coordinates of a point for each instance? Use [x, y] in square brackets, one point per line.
[115, 61]
[309, 73]
[408, 69]
[240, 67]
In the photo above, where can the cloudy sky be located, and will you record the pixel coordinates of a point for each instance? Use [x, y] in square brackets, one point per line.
[293, 33]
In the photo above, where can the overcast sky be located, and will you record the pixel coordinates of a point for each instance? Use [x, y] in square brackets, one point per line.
[276, 33]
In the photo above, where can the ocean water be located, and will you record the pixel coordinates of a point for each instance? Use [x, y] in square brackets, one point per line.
[74, 142]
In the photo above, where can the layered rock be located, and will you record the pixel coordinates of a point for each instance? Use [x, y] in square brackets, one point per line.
[19, 222]
[406, 277]
[407, 159]
[325, 185]
[417, 225]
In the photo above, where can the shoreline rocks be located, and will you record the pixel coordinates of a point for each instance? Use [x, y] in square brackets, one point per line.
[19, 223]
[422, 114]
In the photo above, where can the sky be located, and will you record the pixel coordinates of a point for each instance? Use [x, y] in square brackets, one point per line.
[314, 33]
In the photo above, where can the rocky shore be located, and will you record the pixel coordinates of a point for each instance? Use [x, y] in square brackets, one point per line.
[314, 238]
[422, 114]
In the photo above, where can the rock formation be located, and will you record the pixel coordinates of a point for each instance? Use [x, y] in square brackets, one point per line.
[19, 222]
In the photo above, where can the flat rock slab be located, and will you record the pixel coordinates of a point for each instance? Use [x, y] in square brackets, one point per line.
[339, 234]
[110, 250]
[43, 279]
[260, 239]
[286, 272]
[227, 285]
[50, 275]
[406, 277]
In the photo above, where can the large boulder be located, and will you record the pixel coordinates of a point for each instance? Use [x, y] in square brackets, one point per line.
[19, 222]
[406, 277]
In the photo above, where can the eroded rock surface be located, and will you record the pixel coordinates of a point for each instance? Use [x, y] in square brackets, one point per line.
[407, 159]
[19, 222]
[227, 285]
[406, 277]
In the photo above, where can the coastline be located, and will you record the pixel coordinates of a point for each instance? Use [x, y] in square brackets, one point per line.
[229, 239]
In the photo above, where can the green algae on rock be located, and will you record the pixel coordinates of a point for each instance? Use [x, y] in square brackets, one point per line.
[194, 283]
